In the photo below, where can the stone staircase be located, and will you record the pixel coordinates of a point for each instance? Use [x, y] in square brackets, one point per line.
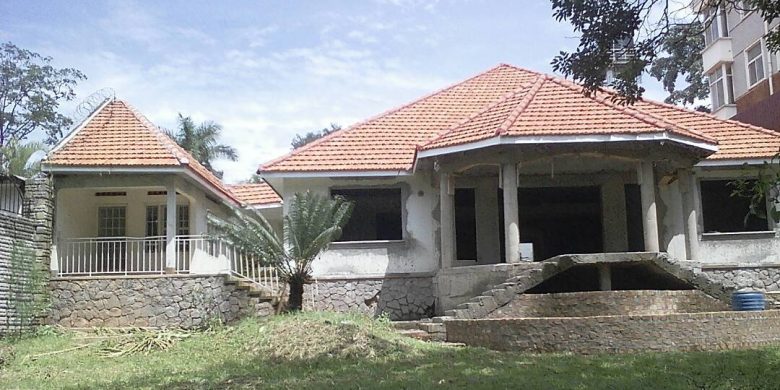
[501, 294]
[253, 289]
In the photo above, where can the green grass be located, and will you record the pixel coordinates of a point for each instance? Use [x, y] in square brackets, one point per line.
[316, 350]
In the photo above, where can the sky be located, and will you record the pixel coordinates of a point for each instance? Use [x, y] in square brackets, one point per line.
[267, 70]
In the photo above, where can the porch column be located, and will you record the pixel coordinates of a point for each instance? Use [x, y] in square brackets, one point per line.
[649, 215]
[688, 189]
[170, 229]
[511, 215]
[447, 206]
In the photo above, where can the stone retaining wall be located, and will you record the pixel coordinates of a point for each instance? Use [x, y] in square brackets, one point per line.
[185, 301]
[401, 298]
[766, 278]
[603, 303]
[622, 334]
[31, 234]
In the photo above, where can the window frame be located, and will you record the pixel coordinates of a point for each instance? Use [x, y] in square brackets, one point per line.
[726, 82]
[715, 17]
[162, 216]
[404, 192]
[748, 62]
[770, 224]
[101, 229]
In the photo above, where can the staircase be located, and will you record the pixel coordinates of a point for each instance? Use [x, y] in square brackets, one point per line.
[501, 294]
[253, 288]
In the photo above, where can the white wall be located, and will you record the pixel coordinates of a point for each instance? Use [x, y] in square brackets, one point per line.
[417, 253]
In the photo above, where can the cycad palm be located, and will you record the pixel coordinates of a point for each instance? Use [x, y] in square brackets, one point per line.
[15, 158]
[312, 223]
[201, 141]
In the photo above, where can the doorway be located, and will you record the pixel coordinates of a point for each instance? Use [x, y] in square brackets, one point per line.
[558, 220]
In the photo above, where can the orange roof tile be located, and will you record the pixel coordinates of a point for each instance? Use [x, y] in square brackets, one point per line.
[119, 136]
[511, 101]
[255, 194]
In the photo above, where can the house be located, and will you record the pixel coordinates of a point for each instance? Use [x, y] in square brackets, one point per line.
[454, 190]
[743, 75]
[131, 204]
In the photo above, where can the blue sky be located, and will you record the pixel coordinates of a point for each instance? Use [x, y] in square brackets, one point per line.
[267, 70]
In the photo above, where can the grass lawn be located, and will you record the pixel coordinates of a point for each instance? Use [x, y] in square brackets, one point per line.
[331, 351]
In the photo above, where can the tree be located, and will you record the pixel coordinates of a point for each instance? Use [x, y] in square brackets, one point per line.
[19, 159]
[310, 136]
[312, 223]
[201, 142]
[664, 34]
[31, 90]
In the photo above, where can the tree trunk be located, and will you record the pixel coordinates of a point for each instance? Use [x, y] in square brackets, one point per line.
[295, 300]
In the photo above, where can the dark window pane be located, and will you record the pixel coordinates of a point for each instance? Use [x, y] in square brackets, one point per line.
[724, 213]
[376, 214]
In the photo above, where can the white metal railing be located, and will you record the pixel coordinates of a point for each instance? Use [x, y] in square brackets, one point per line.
[111, 255]
[239, 263]
[147, 255]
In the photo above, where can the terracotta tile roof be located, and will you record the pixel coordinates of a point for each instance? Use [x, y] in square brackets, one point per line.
[389, 141]
[255, 194]
[119, 136]
[511, 101]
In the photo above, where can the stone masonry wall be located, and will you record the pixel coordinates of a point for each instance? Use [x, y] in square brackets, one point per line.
[401, 298]
[159, 301]
[740, 277]
[621, 334]
[31, 231]
[602, 303]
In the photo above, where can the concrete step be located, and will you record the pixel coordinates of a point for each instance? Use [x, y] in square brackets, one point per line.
[405, 325]
[416, 334]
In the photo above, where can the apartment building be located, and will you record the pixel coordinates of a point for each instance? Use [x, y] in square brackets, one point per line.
[743, 74]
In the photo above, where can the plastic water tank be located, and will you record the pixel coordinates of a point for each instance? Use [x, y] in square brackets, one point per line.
[748, 301]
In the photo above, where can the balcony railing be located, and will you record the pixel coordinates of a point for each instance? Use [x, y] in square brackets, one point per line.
[147, 255]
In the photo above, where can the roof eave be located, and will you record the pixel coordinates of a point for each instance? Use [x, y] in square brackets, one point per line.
[569, 139]
[71, 169]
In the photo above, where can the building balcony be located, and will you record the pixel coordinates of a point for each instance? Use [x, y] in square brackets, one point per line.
[726, 111]
[125, 256]
[716, 54]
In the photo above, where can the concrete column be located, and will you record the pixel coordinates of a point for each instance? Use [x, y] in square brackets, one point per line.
[511, 215]
[170, 229]
[646, 178]
[688, 189]
[605, 277]
[447, 205]
[613, 211]
[488, 241]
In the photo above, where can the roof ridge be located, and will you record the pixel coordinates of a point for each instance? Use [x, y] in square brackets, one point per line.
[523, 104]
[166, 141]
[388, 112]
[473, 116]
[643, 116]
[712, 116]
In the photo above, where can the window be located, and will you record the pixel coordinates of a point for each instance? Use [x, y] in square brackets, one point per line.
[111, 221]
[376, 214]
[721, 87]
[755, 64]
[157, 216]
[717, 26]
[723, 213]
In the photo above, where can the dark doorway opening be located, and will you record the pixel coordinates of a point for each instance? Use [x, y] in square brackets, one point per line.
[465, 224]
[558, 220]
[634, 224]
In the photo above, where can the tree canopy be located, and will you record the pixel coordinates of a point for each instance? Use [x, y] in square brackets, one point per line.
[665, 36]
[311, 224]
[310, 136]
[31, 90]
[202, 141]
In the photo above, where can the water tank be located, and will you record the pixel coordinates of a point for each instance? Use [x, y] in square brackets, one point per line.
[748, 301]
